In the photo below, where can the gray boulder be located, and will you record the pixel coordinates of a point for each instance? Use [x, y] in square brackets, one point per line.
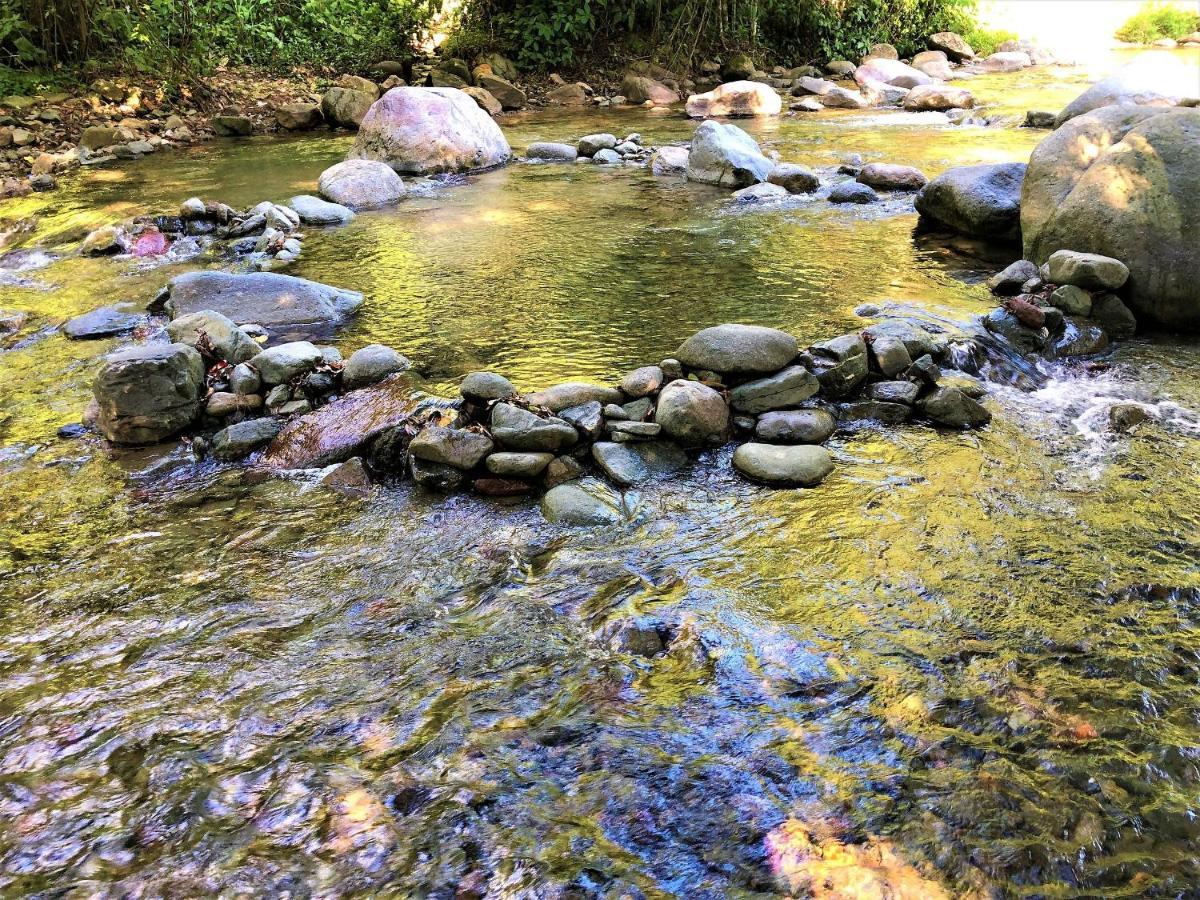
[315, 211]
[953, 45]
[279, 364]
[736, 349]
[1087, 270]
[591, 144]
[840, 364]
[518, 465]
[519, 429]
[735, 99]
[795, 426]
[101, 323]
[454, 447]
[298, 116]
[726, 156]
[693, 414]
[360, 184]
[952, 408]
[372, 363]
[584, 503]
[800, 465]
[146, 394]
[642, 381]
[893, 392]
[790, 387]
[574, 393]
[636, 463]
[1009, 281]
[980, 201]
[221, 335]
[345, 106]
[276, 302]
[890, 71]
[243, 438]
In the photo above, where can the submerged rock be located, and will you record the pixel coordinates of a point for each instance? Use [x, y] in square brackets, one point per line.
[726, 156]
[243, 438]
[635, 463]
[276, 302]
[800, 465]
[981, 201]
[583, 503]
[100, 323]
[147, 394]
[952, 408]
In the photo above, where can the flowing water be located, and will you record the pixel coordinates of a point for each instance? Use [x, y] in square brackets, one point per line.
[977, 650]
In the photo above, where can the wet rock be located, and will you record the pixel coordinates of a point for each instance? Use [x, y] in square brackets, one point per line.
[636, 636]
[735, 99]
[344, 428]
[372, 363]
[852, 192]
[455, 447]
[551, 152]
[231, 126]
[953, 45]
[789, 387]
[315, 211]
[501, 487]
[852, 414]
[1008, 326]
[1087, 270]
[890, 71]
[692, 414]
[428, 130]
[840, 364]
[1010, 281]
[636, 463]
[1039, 118]
[361, 184]
[636, 410]
[889, 355]
[103, 242]
[631, 431]
[938, 97]
[435, 476]
[973, 387]
[244, 380]
[1125, 417]
[843, 98]
[224, 403]
[924, 371]
[583, 503]
[350, 479]
[1072, 300]
[591, 144]
[147, 394]
[280, 303]
[795, 179]
[279, 364]
[760, 193]
[889, 177]
[1151, 79]
[726, 156]
[100, 323]
[574, 393]
[802, 465]
[243, 438]
[561, 470]
[1113, 316]
[607, 158]
[298, 116]
[213, 334]
[483, 387]
[981, 201]
[952, 408]
[518, 465]
[1081, 338]
[345, 106]
[642, 381]
[738, 349]
[893, 392]
[587, 417]
[796, 426]
[515, 428]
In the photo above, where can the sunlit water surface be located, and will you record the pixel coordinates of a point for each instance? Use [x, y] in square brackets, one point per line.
[981, 648]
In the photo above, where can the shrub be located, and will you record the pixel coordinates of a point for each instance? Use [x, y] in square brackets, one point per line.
[984, 41]
[1154, 21]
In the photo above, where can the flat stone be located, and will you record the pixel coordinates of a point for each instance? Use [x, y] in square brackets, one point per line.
[574, 393]
[551, 152]
[455, 447]
[587, 417]
[1087, 270]
[100, 323]
[801, 465]
[636, 430]
[841, 364]
[225, 403]
[518, 465]
[519, 429]
[790, 387]
[315, 211]
[952, 408]
[243, 438]
[874, 411]
[636, 463]
[281, 363]
[894, 392]
[796, 426]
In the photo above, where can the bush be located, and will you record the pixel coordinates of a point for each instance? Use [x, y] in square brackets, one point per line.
[984, 41]
[1154, 21]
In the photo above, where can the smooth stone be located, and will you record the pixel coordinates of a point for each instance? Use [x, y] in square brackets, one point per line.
[793, 178]
[573, 393]
[952, 408]
[735, 99]
[561, 470]
[1111, 313]
[547, 151]
[873, 411]
[315, 211]
[1072, 300]
[980, 201]
[801, 465]
[693, 414]
[1151, 79]
[585, 503]
[760, 193]
[667, 161]
[455, 447]
[244, 380]
[894, 392]
[243, 438]
[276, 302]
[890, 177]
[350, 479]
[283, 362]
[360, 184]
[372, 363]
[637, 410]
[916, 339]
[483, 387]
[100, 323]
[614, 412]
[852, 192]
[738, 349]
[889, 354]
[1087, 270]
[790, 387]
[1011, 280]
[1080, 338]
[220, 335]
[591, 144]
[642, 382]
[938, 97]
[642, 430]
[435, 476]
[606, 158]
[518, 465]
[519, 429]
[224, 403]
[630, 464]
[795, 426]
[726, 156]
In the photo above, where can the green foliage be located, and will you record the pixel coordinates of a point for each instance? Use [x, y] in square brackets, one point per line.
[1155, 20]
[984, 41]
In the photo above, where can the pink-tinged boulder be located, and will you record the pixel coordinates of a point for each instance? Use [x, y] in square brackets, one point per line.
[735, 98]
[151, 243]
[642, 88]
[427, 130]
[890, 71]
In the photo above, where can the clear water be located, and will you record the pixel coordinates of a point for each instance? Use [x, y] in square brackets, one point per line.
[980, 649]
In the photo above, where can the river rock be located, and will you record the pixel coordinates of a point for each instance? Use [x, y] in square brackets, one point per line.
[561, 470]
[435, 476]
[790, 387]
[890, 71]
[585, 503]
[344, 428]
[760, 193]
[938, 97]
[360, 184]
[890, 177]
[588, 418]
[693, 414]
[607, 158]
[283, 362]
[428, 130]
[808, 85]
[1087, 270]
[315, 211]
[455, 447]
[852, 192]
[669, 161]
[280, 303]
[840, 364]
[636, 463]
[231, 126]
[104, 241]
[222, 335]
[1081, 338]
[1072, 300]
[243, 438]
[952, 408]
[518, 465]
[568, 95]
[591, 144]
[1069, 202]
[917, 340]
[372, 363]
[484, 100]
[640, 89]
[889, 354]
[509, 95]
[953, 45]
[146, 394]
[519, 429]
[345, 106]
[551, 152]
[795, 179]
[842, 98]
[893, 392]
[96, 136]
[980, 201]
[642, 382]
[937, 69]
[483, 387]
[244, 380]
[800, 465]
[1152, 79]
[738, 349]
[1114, 316]
[841, 68]
[1010, 281]
[101, 323]
[725, 155]
[1003, 323]
[853, 415]
[1007, 61]
[298, 116]
[795, 426]
[736, 98]
[226, 403]
[574, 393]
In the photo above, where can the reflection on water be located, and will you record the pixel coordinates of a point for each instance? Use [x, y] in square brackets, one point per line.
[978, 651]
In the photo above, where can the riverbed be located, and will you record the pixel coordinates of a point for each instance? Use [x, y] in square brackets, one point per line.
[980, 649]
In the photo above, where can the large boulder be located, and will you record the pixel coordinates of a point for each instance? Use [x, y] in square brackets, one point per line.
[298, 116]
[641, 88]
[981, 201]
[426, 130]
[1124, 182]
[280, 303]
[953, 45]
[345, 106]
[735, 349]
[890, 71]
[509, 95]
[360, 184]
[736, 98]
[1152, 79]
[146, 394]
[725, 155]
[937, 98]
[693, 414]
